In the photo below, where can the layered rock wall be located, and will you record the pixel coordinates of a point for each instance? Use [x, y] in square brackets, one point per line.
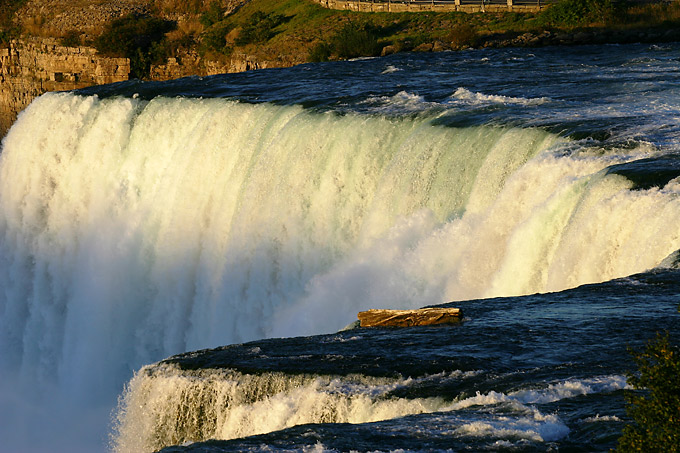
[30, 67]
[189, 64]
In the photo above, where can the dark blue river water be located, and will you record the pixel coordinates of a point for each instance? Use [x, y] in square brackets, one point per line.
[536, 189]
[533, 373]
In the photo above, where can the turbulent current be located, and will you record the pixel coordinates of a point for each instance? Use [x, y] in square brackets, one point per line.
[142, 220]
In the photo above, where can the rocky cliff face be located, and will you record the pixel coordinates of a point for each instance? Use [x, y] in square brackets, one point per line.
[189, 64]
[32, 66]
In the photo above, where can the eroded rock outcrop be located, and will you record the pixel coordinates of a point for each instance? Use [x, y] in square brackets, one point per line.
[37, 62]
[30, 67]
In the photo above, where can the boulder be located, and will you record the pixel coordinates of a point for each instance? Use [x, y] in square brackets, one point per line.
[388, 50]
[424, 47]
[408, 318]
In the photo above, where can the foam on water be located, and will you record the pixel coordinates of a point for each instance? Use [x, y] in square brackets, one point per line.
[400, 103]
[164, 405]
[519, 400]
[390, 69]
[536, 428]
[602, 418]
[571, 389]
[470, 97]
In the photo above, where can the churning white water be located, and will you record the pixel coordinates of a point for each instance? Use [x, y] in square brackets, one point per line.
[131, 230]
[166, 406]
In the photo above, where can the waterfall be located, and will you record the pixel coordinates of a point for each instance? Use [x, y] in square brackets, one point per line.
[131, 230]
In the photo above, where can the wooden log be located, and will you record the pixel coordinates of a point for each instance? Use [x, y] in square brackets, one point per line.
[408, 318]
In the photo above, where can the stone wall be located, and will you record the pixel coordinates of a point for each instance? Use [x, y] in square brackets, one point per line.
[30, 67]
[189, 64]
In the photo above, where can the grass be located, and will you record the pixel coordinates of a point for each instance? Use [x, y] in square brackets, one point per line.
[320, 34]
[323, 34]
[285, 32]
[664, 14]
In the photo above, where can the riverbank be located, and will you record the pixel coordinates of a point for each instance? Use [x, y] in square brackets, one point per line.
[287, 32]
[60, 45]
[310, 33]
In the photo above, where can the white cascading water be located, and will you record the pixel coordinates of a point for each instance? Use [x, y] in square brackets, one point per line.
[167, 406]
[133, 230]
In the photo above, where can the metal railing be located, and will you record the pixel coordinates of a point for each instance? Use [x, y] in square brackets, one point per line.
[437, 5]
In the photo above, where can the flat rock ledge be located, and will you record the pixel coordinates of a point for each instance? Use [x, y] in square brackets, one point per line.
[409, 318]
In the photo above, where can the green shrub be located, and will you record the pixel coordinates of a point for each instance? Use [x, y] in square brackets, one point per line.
[137, 37]
[8, 30]
[259, 28]
[572, 13]
[351, 41]
[356, 41]
[70, 39]
[462, 35]
[6, 36]
[214, 39]
[212, 15]
[655, 406]
[8, 8]
[321, 52]
[183, 41]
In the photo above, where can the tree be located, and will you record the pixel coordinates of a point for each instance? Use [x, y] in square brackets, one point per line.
[655, 405]
[137, 37]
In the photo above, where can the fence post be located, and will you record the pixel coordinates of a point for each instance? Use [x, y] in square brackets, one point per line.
[510, 5]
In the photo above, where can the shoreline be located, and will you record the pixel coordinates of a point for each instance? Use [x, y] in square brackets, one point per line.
[558, 38]
[299, 31]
